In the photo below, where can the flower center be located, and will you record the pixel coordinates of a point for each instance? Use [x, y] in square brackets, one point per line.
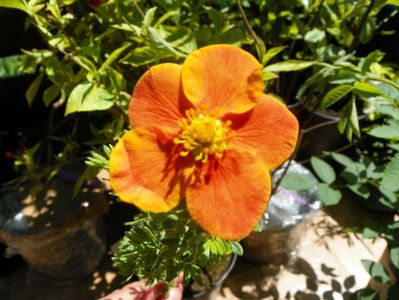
[202, 135]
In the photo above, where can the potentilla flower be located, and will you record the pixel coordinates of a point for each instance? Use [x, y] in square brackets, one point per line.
[205, 133]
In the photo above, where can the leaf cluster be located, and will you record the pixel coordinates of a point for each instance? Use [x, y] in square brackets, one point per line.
[157, 247]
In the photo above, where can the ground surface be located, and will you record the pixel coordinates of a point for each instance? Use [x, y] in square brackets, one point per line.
[326, 266]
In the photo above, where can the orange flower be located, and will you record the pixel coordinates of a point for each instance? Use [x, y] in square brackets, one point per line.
[204, 132]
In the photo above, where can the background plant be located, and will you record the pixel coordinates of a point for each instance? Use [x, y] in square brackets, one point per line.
[313, 54]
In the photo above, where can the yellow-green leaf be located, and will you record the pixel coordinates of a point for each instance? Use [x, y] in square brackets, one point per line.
[289, 66]
[335, 95]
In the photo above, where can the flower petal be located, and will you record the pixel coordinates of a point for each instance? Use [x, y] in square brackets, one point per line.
[158, 97]
[222, 78]
[270, 129]
[231, 195]
[144, 172]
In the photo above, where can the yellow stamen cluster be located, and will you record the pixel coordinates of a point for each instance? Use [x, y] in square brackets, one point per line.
[202, 135]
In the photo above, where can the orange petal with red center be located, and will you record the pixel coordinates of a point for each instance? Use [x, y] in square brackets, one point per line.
[158, 98]
[231, 196]
[222, 78]
[144, 172]
[270, 129]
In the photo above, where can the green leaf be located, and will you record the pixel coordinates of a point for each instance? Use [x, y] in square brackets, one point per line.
[236, 248]
[160, 43]
[328, 195]
[50, 94]
[323, 170]
[388, 110]
[342, 159]
[297, 181]
[376, 270]
[88, 97]
[112, 57]
[289, 65]
[149, 17]
[365, 294]
[86, 64]
[370, 233]
[335, 95]
[272, 52]
[359, 189]
[11, 66]
[33, 89]
[315, 35]
[140, 56]
[394, 254]
[373, 57]
[18, 4]
[354, 120]
[391, 175]
[393, 2]
[366, 89]
[269, 75]
[367, 32]
[388, 131]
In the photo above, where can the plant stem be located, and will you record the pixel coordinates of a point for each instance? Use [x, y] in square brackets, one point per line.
[317, 126]
[251, 31]
[137, 7]
[275, 187]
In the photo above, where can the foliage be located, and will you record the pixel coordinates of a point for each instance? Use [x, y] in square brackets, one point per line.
[311, 55]
[160, 246]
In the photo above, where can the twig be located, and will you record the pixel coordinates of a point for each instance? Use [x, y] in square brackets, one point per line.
[274, 189]
[317, 126]
[251, 31]
[343, 148]
[138, 8]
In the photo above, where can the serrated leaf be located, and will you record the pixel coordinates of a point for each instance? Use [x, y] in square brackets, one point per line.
[391, 175]
[11, 66]
[88, 97]
[160, 43]
[388, 131]
[33, 89]
[323, 170]
[297, 181]
[366, 89]
[328, 195]
[236, 248]
[149, 17]
[289, 66]
[335, 95]
[376, 270]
